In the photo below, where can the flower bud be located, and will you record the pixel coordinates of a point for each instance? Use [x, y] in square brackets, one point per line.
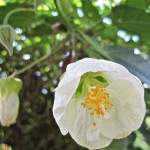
[9, 100]
[7, 36]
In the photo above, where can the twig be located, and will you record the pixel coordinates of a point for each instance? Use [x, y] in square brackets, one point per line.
[73, 44]
[94, 26]
[31, 65]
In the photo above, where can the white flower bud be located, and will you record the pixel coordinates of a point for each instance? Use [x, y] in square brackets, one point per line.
[9, 100]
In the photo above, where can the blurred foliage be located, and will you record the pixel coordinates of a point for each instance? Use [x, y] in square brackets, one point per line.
[71, 30]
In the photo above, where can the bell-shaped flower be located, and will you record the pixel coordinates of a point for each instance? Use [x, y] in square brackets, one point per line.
[9, 100]
[97, 101]
[7, 37]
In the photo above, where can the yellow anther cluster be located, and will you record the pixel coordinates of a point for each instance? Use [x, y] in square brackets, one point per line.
[97, 101]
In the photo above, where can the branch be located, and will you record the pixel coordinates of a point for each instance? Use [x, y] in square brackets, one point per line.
[31, 65]
[94, 26]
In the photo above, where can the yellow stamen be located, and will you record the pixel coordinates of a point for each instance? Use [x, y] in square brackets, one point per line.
[97, 101]
[94, 123]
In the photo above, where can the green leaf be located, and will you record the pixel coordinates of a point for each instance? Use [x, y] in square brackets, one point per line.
[90, 11]
[94, 45]
[18, 19]
[105, 33]
[66, 11]
[140, 141]
[132, 20]
[65, 7]
[120, 144]
[145, 129]
[134, 63]
[42, 30]
[140, 4]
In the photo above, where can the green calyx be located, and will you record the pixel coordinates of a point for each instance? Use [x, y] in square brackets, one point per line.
[7, 36]
[8, 85]
[89, 80]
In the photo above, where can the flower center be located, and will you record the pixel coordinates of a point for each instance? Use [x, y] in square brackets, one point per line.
[97, 101]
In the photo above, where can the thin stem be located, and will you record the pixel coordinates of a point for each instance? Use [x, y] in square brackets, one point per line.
[94, 26]
[80, 38]
[31, 65]
[14, 11]
[73, 43]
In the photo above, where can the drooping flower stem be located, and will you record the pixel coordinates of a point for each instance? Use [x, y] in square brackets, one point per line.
[31, 65]
[14, 11]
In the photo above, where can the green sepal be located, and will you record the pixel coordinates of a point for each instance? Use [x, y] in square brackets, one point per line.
[7, 36]
[8, 85]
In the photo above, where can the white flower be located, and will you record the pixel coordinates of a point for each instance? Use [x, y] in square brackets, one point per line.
[9, 100]
[98, 101]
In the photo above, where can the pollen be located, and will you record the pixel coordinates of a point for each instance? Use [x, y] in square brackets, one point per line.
[94, 123]
[97, 101]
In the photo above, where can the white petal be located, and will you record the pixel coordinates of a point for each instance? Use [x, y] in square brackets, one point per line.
[112, 76]
[115, 66]
[79, 123]
[77, 69]
[81, 129]
[62, 96]
[129, 108]
[9, 110]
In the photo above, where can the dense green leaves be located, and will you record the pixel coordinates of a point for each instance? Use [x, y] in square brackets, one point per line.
[19, 19]
[66, 11]
[133, 20]
[131, 61]
[140, 4]
[118, 145]
[90, 12]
